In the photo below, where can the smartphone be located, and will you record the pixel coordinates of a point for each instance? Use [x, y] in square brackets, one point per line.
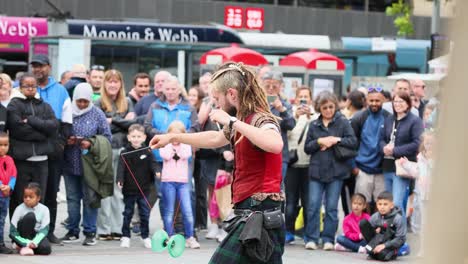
[271, 98]
[303, 102]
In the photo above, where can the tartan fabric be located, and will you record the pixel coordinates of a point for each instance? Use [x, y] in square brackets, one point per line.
[230, 251]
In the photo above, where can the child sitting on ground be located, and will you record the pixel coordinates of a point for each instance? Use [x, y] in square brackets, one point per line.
[174, 184]
[385, 232]
[353, 239]
[30, 224]
[133, 183]
[7, 184]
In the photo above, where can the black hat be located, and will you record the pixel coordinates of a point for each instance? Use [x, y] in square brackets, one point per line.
[40, 59]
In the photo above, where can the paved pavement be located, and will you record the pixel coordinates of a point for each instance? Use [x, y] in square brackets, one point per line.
[109, 252]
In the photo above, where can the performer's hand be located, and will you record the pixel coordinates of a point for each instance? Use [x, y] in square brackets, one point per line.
[220, 117]
[120, 185]
[160, 141]
[379, 248]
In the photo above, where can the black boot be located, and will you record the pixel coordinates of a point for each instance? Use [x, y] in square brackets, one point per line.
[54, 240]
[5, 250]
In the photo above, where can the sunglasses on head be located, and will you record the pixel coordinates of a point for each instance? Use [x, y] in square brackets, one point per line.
[376, 89]
[98, 67]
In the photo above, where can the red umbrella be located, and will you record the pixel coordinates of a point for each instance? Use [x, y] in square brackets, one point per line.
[233, 53]
[313, 59]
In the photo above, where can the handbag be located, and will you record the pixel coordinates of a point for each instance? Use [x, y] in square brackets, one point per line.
[343, 153]
[408, 170]
[293, 157]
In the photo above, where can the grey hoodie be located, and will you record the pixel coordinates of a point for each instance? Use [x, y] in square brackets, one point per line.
[399, 226]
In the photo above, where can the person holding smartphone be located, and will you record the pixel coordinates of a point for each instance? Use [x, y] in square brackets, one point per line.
[272, 83]
[297, 177]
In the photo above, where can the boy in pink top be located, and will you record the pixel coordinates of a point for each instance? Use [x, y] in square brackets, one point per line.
[353, 239]
[174, 184]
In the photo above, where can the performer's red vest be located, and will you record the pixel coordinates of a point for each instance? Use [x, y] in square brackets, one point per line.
[255, 170]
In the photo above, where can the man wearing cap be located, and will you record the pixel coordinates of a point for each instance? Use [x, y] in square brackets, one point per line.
[272, 82]
[57, 97]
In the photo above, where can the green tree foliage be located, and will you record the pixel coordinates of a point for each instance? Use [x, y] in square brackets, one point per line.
[402, 22]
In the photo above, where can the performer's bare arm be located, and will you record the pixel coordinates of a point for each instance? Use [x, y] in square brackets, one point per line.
[265, 138]
[207, 139]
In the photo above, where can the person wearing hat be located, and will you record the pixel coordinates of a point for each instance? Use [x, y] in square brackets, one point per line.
[57, 97]
[79, 75]
[272, 83]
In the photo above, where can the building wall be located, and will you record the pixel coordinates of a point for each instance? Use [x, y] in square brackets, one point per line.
[288, 19]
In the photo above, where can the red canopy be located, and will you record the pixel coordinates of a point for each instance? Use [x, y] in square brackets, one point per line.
[313, 59]
[236, 54]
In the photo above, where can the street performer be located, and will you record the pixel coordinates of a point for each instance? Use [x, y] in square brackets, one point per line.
[256, 227]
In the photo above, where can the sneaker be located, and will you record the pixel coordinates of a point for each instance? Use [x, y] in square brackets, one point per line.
[116, 236]
[64, 222]
[147, 242]
[26, 251]
[192, 243]
[70, 238]
[311, 245]
[90, 240]
[221, 235]
[105, 237]
[339, 247]
[213, 231]
[125, 242]
[328, 246]
[289, 239]
[5, 250]
[362, 250]
[54, 240]
[136, 229]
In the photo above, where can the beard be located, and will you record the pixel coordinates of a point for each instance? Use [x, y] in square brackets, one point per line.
[230, 109]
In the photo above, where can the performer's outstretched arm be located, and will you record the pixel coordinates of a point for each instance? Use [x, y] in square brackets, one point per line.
[207, 139]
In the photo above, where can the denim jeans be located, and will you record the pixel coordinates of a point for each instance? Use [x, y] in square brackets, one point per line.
[143, 211]
[284, 170]
[297, 187]
[399, 187]
[349, 244]
[171, 191]
[4, 204]
[332, 191]
[77, 190]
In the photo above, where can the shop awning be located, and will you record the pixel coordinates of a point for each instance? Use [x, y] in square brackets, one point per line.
[233, 53]
[313, 59]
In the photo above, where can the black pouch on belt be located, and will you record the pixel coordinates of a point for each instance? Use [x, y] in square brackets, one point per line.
[272, 219]
[231, 221]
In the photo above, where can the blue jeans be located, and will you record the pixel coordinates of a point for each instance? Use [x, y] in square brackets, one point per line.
[143, 211]
[399, 187]
[77, 190]
[284, 171]
[349, 244]
[170, 191]
[4, 205]
[332, 192]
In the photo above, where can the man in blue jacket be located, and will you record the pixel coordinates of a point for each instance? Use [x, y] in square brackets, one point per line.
[366, 125]
[58, 98]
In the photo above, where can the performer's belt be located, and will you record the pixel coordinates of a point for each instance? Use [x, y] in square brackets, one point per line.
[272, 215]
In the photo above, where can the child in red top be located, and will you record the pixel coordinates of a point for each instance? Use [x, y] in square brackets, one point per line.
[7, 184]
[353, 239]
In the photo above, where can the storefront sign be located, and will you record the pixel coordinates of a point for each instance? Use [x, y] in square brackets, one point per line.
[16, 31]
[151, 32]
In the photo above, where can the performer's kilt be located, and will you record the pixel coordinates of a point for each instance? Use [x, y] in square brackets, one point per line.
[231, 249]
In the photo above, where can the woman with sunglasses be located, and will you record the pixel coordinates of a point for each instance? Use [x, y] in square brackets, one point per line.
[326, 170]
[399, 138]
